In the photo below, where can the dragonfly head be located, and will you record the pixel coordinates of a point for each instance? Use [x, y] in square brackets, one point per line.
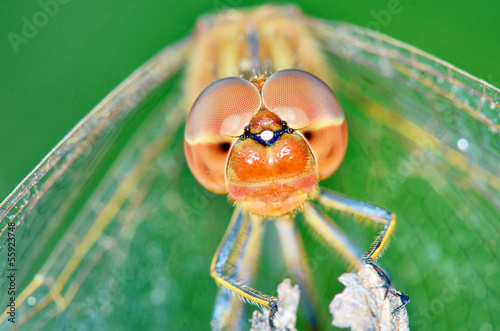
[266, 144]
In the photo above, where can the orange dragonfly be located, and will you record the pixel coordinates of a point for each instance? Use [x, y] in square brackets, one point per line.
[87, 245]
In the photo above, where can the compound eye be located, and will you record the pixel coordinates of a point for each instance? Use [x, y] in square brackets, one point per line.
[309, 106]
[217, 118]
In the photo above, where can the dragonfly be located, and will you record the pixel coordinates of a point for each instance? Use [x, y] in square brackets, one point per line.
[422, 141]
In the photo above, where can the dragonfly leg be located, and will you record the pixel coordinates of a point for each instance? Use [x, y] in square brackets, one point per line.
[376, 214]
[296, 261]
[229, 262]
[366, 210]
[228, 309]
[405, 299]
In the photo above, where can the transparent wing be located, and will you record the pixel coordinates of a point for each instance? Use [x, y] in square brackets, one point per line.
[424, 143]
[59, 210]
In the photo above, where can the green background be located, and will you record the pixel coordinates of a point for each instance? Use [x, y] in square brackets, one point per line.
[89, 47]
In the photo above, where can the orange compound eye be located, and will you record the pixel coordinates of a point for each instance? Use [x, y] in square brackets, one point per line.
[310, 107]
[217, 118]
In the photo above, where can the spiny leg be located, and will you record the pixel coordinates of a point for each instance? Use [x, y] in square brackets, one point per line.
[224, 259]
[367, 210]
[228, 308]
[374, 213]
[296, 261]
[334, 237]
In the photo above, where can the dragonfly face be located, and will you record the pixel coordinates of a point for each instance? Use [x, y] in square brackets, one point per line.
[266, 142]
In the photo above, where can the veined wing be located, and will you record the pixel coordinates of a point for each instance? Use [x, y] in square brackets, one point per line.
[424, 143]
[49, 210]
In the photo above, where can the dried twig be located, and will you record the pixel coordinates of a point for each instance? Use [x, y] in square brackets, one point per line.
[288, 301]
[363, 306]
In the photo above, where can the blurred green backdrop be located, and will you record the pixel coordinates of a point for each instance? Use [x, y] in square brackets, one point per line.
[81, 53]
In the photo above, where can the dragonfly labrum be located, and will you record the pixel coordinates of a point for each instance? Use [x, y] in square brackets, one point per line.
[112, 223]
